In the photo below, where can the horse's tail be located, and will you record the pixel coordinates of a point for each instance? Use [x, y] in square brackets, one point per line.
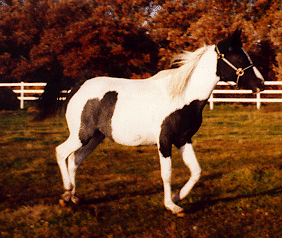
[48, 103]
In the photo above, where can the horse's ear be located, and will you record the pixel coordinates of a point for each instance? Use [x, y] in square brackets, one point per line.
[236, 38]
[233, 41]
[237, 33]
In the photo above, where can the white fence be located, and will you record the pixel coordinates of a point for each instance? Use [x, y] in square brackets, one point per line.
[222, 93]
[26, 91]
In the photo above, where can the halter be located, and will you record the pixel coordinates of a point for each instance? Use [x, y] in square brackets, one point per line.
[239, 71]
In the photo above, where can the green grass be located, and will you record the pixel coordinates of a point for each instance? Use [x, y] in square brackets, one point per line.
[238, 195]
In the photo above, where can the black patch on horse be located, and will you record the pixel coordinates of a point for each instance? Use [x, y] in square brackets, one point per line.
[97, 115]
[179, 127]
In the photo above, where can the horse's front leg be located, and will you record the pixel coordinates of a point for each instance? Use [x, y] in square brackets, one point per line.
[166, 176]
[191, 162]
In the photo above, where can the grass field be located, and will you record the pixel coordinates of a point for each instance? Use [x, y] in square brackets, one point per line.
[239, 194]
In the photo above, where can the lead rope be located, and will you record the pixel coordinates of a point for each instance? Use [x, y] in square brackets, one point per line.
[239, 71]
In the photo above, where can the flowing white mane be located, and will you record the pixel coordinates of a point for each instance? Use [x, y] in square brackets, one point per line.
[179, 77]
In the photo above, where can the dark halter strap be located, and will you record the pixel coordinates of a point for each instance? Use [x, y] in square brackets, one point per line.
[239, 71]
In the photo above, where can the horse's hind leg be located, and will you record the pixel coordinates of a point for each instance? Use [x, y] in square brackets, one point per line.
[63, 151]
[76, 158]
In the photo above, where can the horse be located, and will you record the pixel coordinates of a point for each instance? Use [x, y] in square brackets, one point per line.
[165, 110]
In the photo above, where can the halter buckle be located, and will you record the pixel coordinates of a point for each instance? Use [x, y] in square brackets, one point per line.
[220, 56]
[240, 72]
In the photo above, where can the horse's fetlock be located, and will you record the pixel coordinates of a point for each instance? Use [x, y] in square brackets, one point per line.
[174, 208]
[67, 196]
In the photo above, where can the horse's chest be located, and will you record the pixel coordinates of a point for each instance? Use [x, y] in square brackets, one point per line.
[179, 127]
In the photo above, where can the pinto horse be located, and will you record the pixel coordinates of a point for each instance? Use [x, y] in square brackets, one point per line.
[165, 109]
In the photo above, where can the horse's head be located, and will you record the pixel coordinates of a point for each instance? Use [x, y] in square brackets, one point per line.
[234, 64]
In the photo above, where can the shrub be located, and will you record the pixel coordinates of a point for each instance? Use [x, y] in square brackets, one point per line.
[8, 99]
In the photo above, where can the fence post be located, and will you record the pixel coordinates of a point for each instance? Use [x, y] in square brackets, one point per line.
[22, 96]
[258, 101]
[211, 101]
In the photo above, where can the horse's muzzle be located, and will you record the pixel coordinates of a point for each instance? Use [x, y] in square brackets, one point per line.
[259, 89]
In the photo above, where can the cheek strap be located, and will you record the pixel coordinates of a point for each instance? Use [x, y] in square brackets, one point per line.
[239, 71]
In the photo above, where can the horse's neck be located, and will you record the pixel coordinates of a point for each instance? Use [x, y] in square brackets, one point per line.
[204, 78]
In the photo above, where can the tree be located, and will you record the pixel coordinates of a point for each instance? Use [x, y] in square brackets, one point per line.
[75, 39]
[276, 39]
[72, 40]
[187, 26]
[19, 32]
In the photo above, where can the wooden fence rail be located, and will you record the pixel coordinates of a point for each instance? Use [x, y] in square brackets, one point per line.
[222, 93]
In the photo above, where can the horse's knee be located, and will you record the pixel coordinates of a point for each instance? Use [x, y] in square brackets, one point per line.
[166, 169]
[196, 174]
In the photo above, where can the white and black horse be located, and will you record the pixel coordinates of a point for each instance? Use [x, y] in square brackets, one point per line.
[165, 110]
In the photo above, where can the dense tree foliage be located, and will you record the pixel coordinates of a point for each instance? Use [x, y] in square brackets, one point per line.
[77, 39]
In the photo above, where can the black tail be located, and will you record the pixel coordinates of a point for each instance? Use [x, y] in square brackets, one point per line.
[48, 103]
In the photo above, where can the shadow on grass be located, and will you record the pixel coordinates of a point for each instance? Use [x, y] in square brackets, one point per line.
[146, 192]
[119, 196]
[195, 207]
[201, 205]
[209, 200]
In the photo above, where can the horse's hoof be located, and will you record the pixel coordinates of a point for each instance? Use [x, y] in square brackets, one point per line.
[66, 196]
[62, 203]
[75, 199]
[180, 214]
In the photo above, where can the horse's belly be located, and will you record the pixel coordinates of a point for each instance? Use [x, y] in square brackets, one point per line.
[134, 140]
[131, 136]
[132, 131]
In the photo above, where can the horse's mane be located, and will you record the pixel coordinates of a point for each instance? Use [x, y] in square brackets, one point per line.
[179, 77]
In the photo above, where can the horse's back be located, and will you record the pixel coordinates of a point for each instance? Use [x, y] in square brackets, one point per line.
[128, 111]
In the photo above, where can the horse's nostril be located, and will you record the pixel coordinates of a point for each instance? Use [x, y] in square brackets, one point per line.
[257, 90]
